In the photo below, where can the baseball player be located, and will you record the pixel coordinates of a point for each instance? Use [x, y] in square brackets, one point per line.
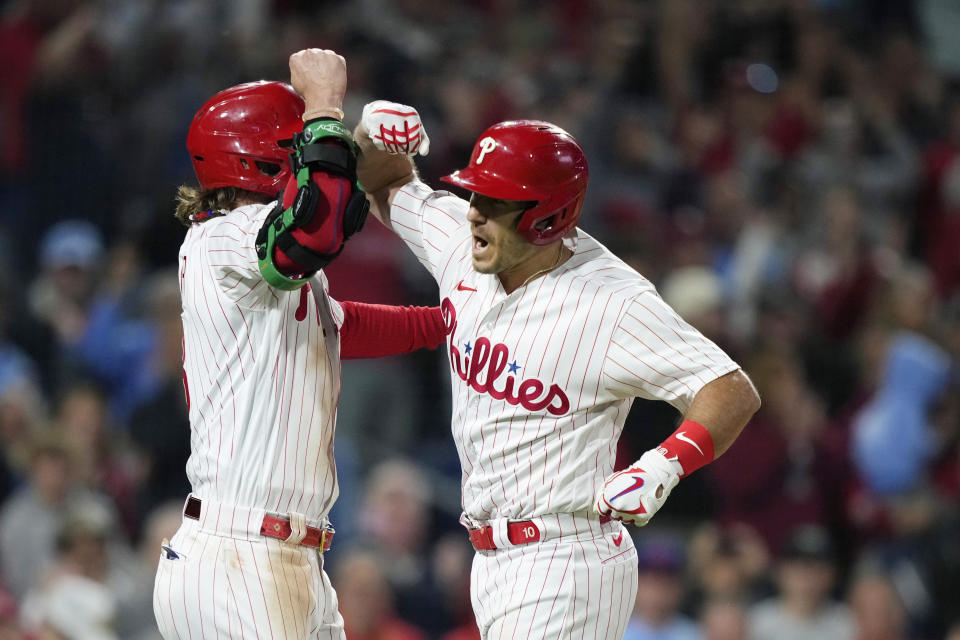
[550, 337]
[262, 343]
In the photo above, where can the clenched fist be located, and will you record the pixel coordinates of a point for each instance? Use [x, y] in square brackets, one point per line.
[320, 76]
[635, 494]
[395, 128]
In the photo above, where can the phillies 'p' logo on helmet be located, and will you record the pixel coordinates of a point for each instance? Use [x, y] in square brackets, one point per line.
[534, 161]
[486, 145]
[234, 138]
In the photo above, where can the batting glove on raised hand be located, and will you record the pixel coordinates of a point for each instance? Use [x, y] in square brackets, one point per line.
[395, 128]
[635, 494]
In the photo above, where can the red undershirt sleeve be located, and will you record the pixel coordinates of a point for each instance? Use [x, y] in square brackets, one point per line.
[376, 330]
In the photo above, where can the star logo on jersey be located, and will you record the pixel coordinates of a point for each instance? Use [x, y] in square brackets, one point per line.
[467, 348]
[463, 287]
[513, 367]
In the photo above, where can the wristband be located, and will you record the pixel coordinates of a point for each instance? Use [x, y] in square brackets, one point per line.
[319, 112]
[317, 130]
[691, 445]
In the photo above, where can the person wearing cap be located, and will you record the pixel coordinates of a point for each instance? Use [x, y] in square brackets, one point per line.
[70, 253]
[803, 607]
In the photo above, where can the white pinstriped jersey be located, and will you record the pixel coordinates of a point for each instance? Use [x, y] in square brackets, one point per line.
[543, 378]
[261, 388]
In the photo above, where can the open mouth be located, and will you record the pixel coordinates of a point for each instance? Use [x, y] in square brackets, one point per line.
[479, 243]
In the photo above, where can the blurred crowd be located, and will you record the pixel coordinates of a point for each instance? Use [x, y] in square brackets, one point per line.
[784, 171]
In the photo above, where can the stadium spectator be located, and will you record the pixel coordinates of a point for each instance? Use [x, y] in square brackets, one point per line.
[803, 607]
[33, 516]
[366, 600]
[656, 614]
[724, 620]
[878, 612]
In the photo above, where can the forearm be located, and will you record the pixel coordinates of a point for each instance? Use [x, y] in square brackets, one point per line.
[375, 330]
[381, 174]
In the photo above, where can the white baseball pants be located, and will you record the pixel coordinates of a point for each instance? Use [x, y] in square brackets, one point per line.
[579, 581]
[231, 582]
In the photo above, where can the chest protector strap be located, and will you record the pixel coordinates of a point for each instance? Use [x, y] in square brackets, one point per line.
[311, 153]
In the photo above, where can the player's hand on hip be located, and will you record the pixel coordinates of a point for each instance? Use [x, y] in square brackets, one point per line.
[636, 493]
[395, 128]
[320, 76]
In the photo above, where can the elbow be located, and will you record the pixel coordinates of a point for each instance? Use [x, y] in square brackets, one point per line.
[755, 401]
[742, 396]
[751, 399]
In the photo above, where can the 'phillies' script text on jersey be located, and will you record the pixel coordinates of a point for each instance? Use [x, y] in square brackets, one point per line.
[529, 393]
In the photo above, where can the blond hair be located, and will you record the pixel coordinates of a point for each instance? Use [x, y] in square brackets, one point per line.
[191, 201]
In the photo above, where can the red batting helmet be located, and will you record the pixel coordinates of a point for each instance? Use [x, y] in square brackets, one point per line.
[233, 139]
[530, 160]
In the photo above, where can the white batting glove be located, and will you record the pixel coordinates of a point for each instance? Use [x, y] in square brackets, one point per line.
[635, 494]
[395, 128]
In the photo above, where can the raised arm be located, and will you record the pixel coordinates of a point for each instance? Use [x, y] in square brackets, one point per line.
[389, 135]
[320, 206]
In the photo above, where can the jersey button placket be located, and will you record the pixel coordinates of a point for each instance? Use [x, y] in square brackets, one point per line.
[488, 320]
